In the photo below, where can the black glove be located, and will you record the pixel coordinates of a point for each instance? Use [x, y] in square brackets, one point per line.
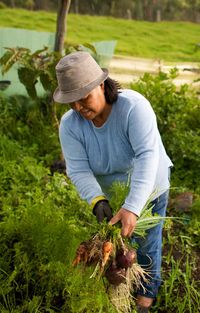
[102, 209]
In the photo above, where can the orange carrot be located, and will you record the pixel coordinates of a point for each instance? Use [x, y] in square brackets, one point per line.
[76, 261]
[81, 254]
[106, 251]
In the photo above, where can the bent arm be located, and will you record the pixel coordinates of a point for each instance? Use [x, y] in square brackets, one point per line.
[77, 164]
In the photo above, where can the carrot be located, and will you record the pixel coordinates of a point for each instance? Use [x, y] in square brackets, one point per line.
[82, 254]
[76, 261]
[107, 249]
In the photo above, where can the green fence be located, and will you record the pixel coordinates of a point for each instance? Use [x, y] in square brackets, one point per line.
[13, 37]
[104, 51]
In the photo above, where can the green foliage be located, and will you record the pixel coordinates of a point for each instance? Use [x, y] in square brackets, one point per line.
[39, 65]
[178, 114]
[29, 122]
[24, 75]
[180, 287]
[42, 223]
[43, 220]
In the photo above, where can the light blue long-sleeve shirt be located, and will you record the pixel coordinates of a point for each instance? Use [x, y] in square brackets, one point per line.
[127, 145]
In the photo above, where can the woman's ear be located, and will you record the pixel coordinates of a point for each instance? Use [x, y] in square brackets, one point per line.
[102, 86]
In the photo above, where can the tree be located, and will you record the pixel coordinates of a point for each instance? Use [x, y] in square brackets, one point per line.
[63, 10]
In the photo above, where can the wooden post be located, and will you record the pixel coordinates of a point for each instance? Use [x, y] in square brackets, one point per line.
[63, 9]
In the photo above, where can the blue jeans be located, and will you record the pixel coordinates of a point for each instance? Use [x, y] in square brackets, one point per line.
[150, 250]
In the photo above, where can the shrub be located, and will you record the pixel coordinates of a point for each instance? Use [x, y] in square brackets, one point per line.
[178, 115]
[42, 223]
[30, 123]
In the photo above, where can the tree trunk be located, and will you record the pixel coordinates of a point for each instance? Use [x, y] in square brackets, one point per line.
[63, 9]
[41, 5]
[139, 10]
[77, 6]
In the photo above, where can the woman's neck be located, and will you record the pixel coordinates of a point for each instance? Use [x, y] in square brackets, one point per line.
[100, 119]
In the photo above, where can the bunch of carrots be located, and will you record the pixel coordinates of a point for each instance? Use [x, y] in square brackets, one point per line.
[93, 251]
[111, 258]
[114, 259]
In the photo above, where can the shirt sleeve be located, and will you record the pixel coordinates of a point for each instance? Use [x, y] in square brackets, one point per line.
[144, 138]
[77, 164]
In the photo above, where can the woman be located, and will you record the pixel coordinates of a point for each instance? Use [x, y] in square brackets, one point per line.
[111, 135]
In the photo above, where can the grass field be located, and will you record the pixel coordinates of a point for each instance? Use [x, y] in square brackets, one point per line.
[170, 41]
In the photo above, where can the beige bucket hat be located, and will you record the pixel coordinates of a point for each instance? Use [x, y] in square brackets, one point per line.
[77, 74]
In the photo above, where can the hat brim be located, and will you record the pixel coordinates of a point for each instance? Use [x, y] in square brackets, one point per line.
[72, 96]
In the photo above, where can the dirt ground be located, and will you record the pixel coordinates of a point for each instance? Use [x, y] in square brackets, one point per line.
[128, 69]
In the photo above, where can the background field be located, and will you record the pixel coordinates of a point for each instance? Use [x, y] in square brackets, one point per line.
[170, 41]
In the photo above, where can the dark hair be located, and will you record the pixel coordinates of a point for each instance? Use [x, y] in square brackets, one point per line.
[111, 92]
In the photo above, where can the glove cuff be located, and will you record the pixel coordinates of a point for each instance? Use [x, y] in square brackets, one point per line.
[97, 199]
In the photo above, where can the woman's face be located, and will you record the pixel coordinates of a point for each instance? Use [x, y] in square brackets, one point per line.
[93, 105]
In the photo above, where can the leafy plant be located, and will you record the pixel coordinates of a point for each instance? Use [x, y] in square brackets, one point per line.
[178, 115]
[32, 67]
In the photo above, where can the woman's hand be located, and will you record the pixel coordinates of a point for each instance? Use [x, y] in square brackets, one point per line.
[127, 219]
[102, 209]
